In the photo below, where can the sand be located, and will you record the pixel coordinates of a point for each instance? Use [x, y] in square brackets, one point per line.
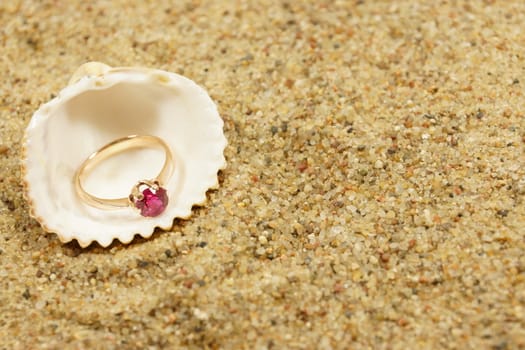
[374, 194]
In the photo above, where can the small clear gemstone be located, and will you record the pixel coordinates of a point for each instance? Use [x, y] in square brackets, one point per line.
[153, 203]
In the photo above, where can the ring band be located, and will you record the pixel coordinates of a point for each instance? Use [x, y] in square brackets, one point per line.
[149, 196]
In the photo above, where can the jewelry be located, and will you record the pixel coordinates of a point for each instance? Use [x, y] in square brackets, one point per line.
[149, 196]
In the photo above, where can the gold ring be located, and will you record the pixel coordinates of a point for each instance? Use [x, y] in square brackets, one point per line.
[149, 196]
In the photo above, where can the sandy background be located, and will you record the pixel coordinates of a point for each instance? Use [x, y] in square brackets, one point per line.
[374, 195]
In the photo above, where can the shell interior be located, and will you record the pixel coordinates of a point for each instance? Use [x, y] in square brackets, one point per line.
[96, 110]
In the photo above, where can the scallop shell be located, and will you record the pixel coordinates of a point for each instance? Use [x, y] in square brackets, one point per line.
[100, 105]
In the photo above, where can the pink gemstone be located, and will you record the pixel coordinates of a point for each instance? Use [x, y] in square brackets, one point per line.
[153, 204]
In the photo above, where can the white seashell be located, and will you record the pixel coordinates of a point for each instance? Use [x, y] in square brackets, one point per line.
[101, 105]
